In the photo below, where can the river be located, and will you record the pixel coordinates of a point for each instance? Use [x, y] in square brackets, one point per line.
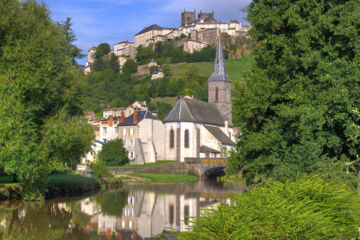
[132, 212]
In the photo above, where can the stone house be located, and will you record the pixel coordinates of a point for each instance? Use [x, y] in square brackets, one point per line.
[190, 46]
[117, 112]
[125, 49]
[148, 33]
[143, 135]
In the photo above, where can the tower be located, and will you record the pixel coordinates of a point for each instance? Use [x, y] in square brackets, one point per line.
[187, 18]
[219, 85]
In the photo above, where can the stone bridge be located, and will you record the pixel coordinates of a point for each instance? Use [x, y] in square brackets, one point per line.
[201, 167]
[206, 167]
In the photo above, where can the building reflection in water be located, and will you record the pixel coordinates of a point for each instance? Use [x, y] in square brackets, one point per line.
[147, 214]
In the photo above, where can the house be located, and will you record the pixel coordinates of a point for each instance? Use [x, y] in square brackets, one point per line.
[196, 129]
[157, 75]
[90, 157]
[143, 136]
[116, 112]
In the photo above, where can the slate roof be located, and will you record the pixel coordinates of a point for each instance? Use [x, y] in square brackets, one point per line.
[219, 73]
[191, 110]
[219, 135]
[150, 28]
[206, 149]
[129, 121]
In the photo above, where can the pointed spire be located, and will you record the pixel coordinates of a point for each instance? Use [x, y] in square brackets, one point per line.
[219, 73]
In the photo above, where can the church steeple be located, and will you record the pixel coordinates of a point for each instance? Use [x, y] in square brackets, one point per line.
[219, 85]
[219, 73]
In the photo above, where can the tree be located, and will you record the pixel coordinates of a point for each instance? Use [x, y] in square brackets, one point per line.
[297, 100]
[114, 63]
[113, 153]
[41, 128]
[309, 208]
[102, 49]
[130, 66]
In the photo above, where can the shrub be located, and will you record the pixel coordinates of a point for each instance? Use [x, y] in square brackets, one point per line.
[308, 208]
[113, 153]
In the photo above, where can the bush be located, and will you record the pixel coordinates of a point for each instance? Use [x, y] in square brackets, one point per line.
[309, 208]
[130, 66]
[102, 50]
[113, 153]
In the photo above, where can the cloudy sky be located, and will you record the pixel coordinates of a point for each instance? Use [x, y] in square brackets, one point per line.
[111, 21]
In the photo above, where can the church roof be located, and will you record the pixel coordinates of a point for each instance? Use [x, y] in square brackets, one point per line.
[219, 135]
[206, 149]
[190, 110]
[219, 73]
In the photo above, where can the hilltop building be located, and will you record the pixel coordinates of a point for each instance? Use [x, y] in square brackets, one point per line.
[153, 33]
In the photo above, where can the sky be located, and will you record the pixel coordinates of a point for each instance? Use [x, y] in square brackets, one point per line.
[112, 21]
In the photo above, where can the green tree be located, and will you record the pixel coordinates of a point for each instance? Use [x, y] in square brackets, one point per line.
[102, 49]
[114, 63]
[298, 98]
[113, 152]
[130, 66]
[309, 208]
[40, 124]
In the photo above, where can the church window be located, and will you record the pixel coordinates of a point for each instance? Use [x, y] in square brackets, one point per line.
[171, 214]
[186, 138]
[172, 138]
[216, 94]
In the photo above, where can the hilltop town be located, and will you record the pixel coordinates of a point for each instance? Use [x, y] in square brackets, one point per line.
[193, 35]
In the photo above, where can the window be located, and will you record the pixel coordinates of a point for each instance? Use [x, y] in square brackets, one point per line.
[172, 138]
[124, 142]
[171, 214]
[130, 224]
[131, 143]
[216, 94]
[186, 215]
[131, 131]
[104, 130]
[131, 155]
[123, 223]
[116, 130]
[186, 136]
[124, 131]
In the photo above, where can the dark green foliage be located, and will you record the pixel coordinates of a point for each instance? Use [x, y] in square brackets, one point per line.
[130, 66]
[105, 62]
[206, 54]
[162, 108]
[298, 98]
[144, 53]
[113, 153]
[112, 203]
[102, 50]
[41, 127]
[309, 208]
[114, 63]
[154, 69]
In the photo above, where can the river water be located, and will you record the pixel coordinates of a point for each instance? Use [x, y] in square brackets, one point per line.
[132, 212]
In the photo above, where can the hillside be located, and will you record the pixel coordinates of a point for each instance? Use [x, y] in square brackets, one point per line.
[201, 70]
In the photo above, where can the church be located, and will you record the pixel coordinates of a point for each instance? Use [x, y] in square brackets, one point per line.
[198, 129]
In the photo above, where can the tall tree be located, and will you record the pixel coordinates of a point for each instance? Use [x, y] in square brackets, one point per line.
[40, 124]
[102, 49]
[299, 95]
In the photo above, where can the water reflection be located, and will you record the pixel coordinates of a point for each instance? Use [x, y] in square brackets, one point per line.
[134, 212]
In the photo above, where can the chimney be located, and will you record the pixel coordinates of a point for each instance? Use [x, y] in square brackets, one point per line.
[135, 116]
[111, 121]
[122, 116]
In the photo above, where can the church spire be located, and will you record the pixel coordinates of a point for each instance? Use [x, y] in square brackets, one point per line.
[219, 73]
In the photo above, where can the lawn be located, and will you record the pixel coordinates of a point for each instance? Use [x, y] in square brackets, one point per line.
[167, 178]
[158, 163]
[68, 179]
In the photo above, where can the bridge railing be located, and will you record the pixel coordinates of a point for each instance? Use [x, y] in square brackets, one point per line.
[206, 160]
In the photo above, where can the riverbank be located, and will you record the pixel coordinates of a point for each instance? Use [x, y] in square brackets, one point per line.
[62, 185]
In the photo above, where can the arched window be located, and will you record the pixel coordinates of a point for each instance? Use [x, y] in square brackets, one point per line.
[186, 138]
[216, 94]
[172, 138]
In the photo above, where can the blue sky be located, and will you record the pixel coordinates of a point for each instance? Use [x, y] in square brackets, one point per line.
[111, 21]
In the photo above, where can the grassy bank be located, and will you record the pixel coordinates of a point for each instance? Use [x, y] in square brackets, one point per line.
[158, 163]
[167, 178]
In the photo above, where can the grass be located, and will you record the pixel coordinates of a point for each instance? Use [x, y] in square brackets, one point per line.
[117, 178]
[68, 179]
[235, 68]
[158, 163]
[167, 178]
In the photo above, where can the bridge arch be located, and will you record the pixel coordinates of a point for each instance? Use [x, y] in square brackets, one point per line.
[211, 171]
